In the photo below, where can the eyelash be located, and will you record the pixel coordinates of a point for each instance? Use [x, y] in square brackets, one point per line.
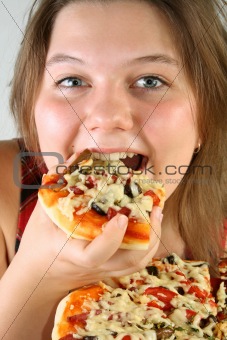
[152, 88]
[59, 83]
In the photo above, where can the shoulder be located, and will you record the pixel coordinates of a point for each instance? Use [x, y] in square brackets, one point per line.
[8, 151]
[9, 197]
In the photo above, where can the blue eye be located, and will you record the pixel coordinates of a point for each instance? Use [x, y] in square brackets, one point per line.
[149, 82]
[71, 82]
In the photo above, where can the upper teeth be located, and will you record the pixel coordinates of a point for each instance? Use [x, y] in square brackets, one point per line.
[115, 156]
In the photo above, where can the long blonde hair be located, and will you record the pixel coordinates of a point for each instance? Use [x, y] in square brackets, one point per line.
[198, 205]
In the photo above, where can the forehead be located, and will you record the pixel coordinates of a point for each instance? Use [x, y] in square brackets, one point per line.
[97, 29]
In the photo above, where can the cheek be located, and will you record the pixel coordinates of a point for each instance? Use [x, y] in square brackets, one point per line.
[172, 135]
[172, 128]
[57, 125]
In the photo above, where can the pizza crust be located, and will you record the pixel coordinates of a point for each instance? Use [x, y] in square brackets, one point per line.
[71, 305]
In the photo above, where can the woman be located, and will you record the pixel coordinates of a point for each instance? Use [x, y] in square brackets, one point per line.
[146, 75]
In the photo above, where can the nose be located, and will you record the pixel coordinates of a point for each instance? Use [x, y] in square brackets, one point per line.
[108, 110]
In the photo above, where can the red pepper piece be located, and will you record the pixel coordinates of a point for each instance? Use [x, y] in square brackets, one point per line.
[111, 213]
[223, 263]
[76, 190]
[125, 211]
[81, 318]
[155, 304]
[199, 293]
[114, 178]
[222, 316]
[155, 198]
[190, 314]
[89, 183]
[163, 294]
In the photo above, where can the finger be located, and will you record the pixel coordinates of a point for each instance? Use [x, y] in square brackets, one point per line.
[62, 167]
[129, 261]
[102, 248]
[155, 234]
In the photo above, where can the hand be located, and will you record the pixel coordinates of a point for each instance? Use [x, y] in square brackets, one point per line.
[68, 263]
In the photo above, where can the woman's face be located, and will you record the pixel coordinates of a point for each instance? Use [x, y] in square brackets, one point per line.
[114, 82]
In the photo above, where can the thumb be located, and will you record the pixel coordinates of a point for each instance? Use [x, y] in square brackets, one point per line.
[155, 220]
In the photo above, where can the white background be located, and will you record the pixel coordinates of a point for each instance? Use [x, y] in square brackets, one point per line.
[11, 25]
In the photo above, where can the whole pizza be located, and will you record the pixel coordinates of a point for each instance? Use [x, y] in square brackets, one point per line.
[169, 299]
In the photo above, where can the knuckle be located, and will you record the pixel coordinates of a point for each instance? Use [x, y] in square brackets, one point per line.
[138, 264]
[133, 261]
[89, 262]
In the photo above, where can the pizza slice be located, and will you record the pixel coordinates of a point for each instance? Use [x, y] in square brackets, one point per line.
[169, 299]
[94, 189]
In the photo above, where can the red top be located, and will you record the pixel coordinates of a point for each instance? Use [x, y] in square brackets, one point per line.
[31, 174]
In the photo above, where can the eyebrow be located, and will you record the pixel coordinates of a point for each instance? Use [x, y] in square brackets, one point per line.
[63, 58]
[154, 58]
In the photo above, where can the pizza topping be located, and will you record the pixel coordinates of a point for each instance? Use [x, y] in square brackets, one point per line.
[152, 270]
[68, 337]
[223, 268]
[156, 199]
[222, 297]
[162, 294]
[164, 333]
[162, 304]
[76, 190]
[105, 184]
[112, 212]
[97, 208]
[78, 318]
[132, 190]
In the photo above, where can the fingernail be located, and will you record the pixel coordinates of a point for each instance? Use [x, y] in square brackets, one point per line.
[70, 159]
[158, 213]
[122, 221]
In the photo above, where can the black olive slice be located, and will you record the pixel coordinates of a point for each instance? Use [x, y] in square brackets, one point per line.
[128, 191]
[97, 209]
[152, 270]
[170, 259]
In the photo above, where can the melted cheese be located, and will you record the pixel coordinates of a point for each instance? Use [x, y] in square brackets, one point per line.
[173, 276]
[120, 313]
[222, 296]
[108, 191]
[125, 311]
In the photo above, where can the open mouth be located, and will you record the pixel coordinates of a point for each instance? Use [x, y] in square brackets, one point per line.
[131, 160]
